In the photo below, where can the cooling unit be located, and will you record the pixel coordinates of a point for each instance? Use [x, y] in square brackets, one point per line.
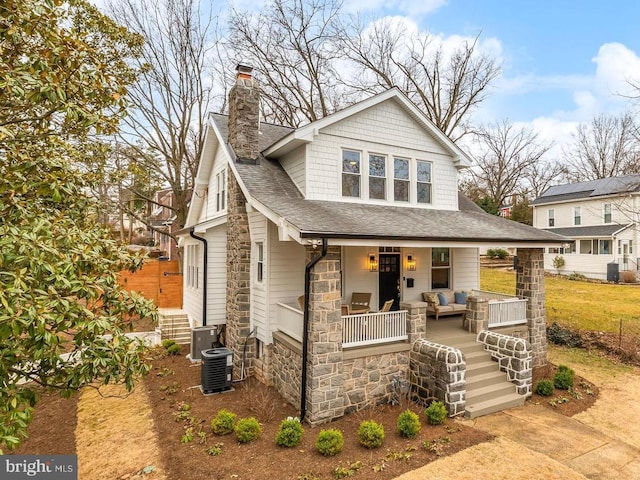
[217, 370]
[203, 338]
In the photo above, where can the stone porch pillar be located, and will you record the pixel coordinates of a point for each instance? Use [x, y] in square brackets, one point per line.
[238, 279]
[477, 316]
[530, 285]
[325, 383]
[416, 319]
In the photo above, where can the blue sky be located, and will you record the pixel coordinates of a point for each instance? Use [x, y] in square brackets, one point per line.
[564, 61]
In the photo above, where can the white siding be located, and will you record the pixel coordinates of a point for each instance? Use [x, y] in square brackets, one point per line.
[286, 275]
[466, 269]
[384, 129]
[356, 276]
[259, 290]
[209, 205]
[192, 297]
[294, 164]
[592, 212]
[217, 275]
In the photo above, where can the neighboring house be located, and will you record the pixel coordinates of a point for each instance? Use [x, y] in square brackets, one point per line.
[601, 219]
[163, 219]
[286, 224]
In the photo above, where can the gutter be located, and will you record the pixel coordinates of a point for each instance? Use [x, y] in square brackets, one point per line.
[204, 275]
[305, 329]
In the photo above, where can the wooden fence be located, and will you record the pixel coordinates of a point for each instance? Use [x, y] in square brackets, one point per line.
[160, 281]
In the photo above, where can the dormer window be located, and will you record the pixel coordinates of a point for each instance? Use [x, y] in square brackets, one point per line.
[377, 177]
[401, 179]
[350, 173]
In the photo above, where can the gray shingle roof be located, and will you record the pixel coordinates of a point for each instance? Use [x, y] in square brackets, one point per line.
[270, 185]
[593, 188]
[269, 133]
[588, 231]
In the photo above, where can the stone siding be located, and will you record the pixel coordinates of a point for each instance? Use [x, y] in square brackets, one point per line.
[287, 371]
[439, 371]
[530, 285]
[514, 357]
[244, 108]
[370, 380]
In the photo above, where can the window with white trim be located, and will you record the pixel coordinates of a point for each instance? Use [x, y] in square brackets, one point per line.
[221, 190]
[423, 181]
[607, 213]
[193, 266]
[259, 262]
[577, 215]
[350, 173]
[377, 177]
[551, 215]
[401, 179]
[440, 268]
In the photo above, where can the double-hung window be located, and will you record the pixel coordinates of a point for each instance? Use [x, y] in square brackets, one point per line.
[350, 173]
[377, 177]
[424, 181]
[221, 190]
[259, 262]
[607, 213]
[193, 266]
[440, 268]
[401, 179]
[577, 215]
[552, 217]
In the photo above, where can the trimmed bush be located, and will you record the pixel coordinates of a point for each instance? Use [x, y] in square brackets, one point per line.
[563, 379]
[370, 434]
[290, 432]
[247, 429]
[223, 422]
[544, 388]
[409, 424]
[436, 413]
[174, 349]
[168, 342]
[329, 442]
[500, 253]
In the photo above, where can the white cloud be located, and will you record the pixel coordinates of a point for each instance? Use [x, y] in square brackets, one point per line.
[410, 8]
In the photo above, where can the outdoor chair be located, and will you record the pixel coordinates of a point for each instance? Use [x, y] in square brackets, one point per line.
[387, 306]
[301, 302]
[345, 310]
[360, 301]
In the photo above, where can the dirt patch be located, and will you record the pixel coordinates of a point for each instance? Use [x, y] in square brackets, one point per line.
[173, 383]
[567, 402]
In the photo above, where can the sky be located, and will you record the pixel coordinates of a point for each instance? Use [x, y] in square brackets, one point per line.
[564, 61]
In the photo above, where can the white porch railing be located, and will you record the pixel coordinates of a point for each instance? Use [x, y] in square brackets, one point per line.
[373, 328]
[290, 320]
[504, 310]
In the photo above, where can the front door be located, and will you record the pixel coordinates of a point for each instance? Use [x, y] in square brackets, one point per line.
[625, 255]
[389, 279]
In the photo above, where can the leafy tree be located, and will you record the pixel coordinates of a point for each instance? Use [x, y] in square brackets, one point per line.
[488, 205]
[521, 211]
[63, 81]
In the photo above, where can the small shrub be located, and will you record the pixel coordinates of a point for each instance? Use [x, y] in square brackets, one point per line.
[290, 432]
[563, 379]
[576, 277]
[563, 336]
[329, 442]
[188, 435]
[348, 471]
[247, 429]
[174, 349]
[436, 413]
[558, 262]
[215, 449]
[223, 422]
[500, 253]
[544, 388]
[168, 342]
[370, 434]
[408, 424]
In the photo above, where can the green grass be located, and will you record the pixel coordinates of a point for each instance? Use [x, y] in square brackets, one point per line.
[576, 304]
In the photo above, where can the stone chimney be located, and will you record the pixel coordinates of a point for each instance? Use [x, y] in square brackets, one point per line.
[244, 111]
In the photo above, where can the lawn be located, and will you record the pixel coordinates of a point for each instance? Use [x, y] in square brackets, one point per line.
[578, 304]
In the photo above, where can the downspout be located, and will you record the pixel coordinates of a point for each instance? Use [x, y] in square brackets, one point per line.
[204, 276]
[305, 329]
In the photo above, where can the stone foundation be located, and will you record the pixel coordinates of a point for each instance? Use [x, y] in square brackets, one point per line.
[513, 355]
[370, 380]
[530, 285]
[439, 371]
[286, 368]
[263, 366]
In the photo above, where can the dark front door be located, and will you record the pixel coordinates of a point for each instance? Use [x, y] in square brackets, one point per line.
[389, 280]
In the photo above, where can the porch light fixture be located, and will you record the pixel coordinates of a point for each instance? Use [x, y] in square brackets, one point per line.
[373, 263]
[411, 263]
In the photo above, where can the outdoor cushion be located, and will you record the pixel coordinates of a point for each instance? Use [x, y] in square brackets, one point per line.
[457, 307]
[443, 299]
[431, 297]
[461, 297]
[449, 308]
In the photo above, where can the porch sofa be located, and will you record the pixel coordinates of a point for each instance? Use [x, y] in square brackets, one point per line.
[445, 302]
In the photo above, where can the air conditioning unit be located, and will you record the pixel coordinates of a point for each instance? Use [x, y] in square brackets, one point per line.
[203, 338]
[217, 370]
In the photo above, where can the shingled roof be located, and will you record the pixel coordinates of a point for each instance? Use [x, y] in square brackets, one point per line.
[589, 230]
[590, 189]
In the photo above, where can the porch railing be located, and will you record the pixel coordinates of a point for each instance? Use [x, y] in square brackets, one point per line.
[290, 320]
[504, 310]
[373, 328]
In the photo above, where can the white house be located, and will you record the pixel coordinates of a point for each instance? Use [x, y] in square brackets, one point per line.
[601, 219]
[286, 224]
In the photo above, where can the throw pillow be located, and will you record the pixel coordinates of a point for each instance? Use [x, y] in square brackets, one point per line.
[443, 299]
[461, 297]
[430, 297]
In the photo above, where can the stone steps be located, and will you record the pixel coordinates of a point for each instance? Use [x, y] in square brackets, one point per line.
[174, 325]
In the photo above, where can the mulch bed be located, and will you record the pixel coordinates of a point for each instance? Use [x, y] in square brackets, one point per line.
[567, 402]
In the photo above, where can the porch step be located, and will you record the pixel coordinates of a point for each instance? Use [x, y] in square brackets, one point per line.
[493, 405]
[497, 389]
[480, 367]
[487, 379]
[174, 325]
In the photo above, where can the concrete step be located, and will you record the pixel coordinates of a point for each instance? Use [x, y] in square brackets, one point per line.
[452, 339]
[477, 356]
[481, 394]
[493, 405]
[470, 347]
[487, 379]
[480, 367]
